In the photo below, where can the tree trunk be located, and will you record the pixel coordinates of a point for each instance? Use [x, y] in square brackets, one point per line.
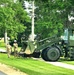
[5, 37]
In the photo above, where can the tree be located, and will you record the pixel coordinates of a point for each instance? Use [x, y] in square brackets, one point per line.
[51, 16]
[6, 19]
[12, 18]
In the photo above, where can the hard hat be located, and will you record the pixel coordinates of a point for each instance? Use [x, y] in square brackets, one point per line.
[15, 41]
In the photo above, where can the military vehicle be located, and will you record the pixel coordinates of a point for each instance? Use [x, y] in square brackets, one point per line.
[52, 48]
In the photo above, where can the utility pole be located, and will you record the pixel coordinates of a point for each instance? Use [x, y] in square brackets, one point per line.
[32, 29]
[32, 20]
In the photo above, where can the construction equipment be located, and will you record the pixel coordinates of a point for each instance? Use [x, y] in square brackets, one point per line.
[52, 48]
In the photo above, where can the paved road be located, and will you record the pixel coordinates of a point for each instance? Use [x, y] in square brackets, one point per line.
[1, 73]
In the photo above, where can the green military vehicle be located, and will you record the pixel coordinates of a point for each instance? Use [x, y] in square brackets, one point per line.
[52, 48]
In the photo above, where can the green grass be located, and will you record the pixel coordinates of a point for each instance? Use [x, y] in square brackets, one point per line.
[68, 61]
[34, 67]
[2, 44]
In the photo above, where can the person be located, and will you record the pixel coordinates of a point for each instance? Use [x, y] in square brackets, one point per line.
[9, 49]
[15, 45]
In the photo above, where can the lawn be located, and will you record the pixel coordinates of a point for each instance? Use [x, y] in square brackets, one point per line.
[2, 44]
[68, 61]
[34, 67]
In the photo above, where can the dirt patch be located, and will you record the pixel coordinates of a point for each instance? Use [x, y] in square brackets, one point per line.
[10, 71]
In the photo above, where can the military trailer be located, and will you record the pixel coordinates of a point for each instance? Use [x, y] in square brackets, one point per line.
[52, 48]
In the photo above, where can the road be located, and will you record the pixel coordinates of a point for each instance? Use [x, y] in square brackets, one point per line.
[1, 73]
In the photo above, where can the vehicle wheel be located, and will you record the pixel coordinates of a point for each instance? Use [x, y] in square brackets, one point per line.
[53, 54]
[43, 54]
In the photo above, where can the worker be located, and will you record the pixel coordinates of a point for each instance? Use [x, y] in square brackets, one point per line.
[9, 50]
[15, 45]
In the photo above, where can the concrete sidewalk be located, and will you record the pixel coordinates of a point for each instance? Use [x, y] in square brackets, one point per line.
[64, 65]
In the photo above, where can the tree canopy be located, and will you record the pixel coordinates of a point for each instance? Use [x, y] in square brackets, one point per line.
[51, 16]
[12, 18]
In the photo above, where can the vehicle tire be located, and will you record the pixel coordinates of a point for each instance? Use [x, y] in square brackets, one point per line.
[43, 54]
[53, 54]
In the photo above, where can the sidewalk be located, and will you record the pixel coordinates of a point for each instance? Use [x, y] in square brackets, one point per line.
[64, 65]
